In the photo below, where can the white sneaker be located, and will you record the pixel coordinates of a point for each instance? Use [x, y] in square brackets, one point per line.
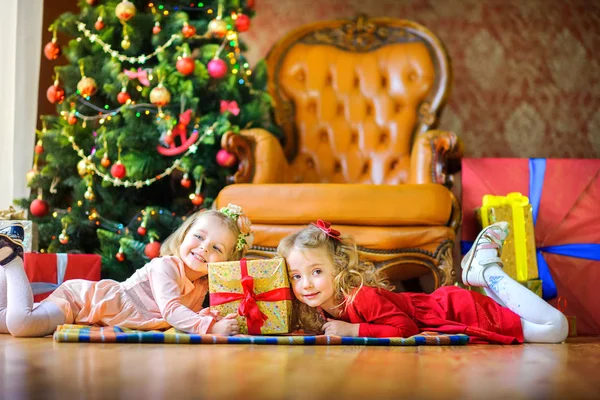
[474, 264]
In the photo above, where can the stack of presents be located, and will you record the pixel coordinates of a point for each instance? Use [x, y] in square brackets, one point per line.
[553, 210]
[551, 205]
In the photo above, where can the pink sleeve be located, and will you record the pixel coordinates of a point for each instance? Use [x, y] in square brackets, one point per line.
[167, 281]
[382, 317]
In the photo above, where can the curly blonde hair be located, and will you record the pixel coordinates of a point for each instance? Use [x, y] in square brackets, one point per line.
[350, 273]
[170, 247]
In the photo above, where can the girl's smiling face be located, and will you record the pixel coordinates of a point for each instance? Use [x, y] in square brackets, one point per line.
[207, 241]
[311, 273]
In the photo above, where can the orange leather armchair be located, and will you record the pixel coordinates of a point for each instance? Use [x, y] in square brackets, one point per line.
[356, 101]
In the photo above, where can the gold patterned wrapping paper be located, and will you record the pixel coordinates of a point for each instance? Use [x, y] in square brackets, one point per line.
[268, 276]
[518, 253]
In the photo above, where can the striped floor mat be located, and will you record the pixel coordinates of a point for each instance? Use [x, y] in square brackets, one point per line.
[95, 334]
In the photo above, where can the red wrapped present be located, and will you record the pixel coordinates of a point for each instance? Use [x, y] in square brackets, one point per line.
[47, 271]
[564, 194]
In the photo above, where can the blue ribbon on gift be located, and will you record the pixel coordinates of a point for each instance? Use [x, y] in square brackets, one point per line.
[588, 251]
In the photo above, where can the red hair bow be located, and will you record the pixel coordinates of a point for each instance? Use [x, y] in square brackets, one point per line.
[326, 227]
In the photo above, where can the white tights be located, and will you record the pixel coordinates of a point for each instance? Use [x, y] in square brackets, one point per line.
[541, 322]
[18, 315]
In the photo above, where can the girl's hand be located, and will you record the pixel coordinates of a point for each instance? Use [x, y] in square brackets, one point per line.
[227, 326]
[333, 327]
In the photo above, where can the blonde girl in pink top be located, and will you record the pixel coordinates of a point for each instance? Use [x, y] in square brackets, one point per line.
[166, 292]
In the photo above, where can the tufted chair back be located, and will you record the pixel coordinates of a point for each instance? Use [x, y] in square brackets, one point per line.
[352, 95]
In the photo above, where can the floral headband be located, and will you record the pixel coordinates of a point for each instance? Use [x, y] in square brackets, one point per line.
[245, 238]
[326, 227]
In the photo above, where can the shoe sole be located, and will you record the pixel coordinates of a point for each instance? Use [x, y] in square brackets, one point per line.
[466, 272]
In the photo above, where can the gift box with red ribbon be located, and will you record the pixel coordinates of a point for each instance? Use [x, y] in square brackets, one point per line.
[257, 290]
[564, 195]
[46, 271]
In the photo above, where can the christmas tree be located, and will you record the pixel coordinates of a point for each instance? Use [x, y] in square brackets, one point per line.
[148, 91]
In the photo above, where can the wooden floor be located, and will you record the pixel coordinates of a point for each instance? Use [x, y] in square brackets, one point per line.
[41, 368]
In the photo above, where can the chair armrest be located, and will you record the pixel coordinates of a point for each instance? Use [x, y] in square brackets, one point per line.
[261, 158]
[435, 157]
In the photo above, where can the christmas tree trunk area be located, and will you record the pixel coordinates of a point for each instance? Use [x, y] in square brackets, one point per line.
[144, 94]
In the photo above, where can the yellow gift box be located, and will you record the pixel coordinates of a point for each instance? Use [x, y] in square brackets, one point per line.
[518, 252]
[257, 290]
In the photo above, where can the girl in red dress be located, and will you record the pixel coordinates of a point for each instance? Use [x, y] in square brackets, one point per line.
[340, 295]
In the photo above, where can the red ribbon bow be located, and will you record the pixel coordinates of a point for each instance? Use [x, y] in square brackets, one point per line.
[141, 75]
[248, 307]
[326, 227]
[231, 106]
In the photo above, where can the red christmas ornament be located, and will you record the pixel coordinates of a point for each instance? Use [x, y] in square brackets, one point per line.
[156, 28]
[226, 159]
[141, 231]
[105, 162]
[120, 256]
[118, 170]
[217, 68]
[39, 208]
[123, 97]
[72, 120]
[185, 65]
[39, 149]
[91, 2]
[188, 30]
[55, 94]
[186, 182]
[197, 200]
[242, 23]
[152, 250]
[99, 25]
[52, 50]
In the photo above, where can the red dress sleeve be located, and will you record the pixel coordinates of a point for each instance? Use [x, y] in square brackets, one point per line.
[379, 315]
